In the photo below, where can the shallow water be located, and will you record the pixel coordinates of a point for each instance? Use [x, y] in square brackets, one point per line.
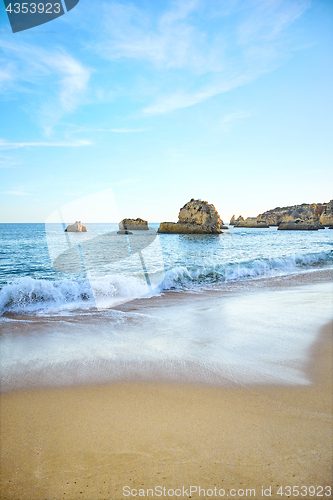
[263, 336]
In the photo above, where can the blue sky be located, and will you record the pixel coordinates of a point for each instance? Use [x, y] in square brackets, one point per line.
[229, 101]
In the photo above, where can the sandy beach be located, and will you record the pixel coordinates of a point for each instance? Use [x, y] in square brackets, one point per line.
[130, 439]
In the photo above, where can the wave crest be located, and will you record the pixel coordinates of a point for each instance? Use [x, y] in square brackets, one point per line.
[32, 295]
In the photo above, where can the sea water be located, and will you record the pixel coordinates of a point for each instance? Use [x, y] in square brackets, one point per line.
[62, 329]
[29, 283]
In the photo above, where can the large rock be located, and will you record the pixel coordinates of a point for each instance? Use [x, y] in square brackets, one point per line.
[130, 224]
[77, 227]
[326, 217]
[196, 217]
[252, 222]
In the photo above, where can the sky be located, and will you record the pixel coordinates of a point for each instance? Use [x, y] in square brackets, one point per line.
[228, 101]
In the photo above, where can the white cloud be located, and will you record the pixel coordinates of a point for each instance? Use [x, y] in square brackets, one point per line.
[17, 192]
[237, 115]
[16, 145]
[125, 181]
[75, 194]
[64, 77]
[123, 130]
[183, 99]
[198, 49]
[112, 130]
[6, 75]
[170, 42]
[269, 18]
[9, 161]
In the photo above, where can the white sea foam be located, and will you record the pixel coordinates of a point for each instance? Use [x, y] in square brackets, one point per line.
[209, 272]
[31, 295]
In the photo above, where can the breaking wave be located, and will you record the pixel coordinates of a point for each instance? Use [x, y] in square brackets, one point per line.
[181, 276]
[31, 295]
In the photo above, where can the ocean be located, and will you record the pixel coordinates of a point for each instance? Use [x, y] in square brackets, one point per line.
[194, 308]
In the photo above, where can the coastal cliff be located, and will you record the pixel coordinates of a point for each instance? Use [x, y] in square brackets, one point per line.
[195, 217]
[326, 217]
[304, 212]
[302, 217]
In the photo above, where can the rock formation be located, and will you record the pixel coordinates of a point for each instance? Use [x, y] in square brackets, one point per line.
[130, 224]
[77, 227]
[196, 216]
[326, 217]
[304, 212]
[234, 221]
[310, 224]
[250, 222]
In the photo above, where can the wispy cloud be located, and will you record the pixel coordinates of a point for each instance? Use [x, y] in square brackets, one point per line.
[269, 19]
[6, 75]
[236, 116]
[74, 193]
[111, 130]
[183, 99]
[171, 41]
[188, 62]
[53, 72]
[125, 181]
[9, 161]
[123, 130]
[16, 145]
[17, 192]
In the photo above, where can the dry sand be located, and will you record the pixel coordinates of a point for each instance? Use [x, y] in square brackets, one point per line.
[90, 442]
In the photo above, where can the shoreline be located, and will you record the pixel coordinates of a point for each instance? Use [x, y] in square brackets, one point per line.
[90, 442]
[178, 337]
[225, 288]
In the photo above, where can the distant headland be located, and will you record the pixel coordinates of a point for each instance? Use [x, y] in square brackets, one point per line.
[200, 217]
[303, 217]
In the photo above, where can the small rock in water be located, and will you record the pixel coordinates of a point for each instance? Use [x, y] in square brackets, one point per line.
[135, 224]
[77, 227]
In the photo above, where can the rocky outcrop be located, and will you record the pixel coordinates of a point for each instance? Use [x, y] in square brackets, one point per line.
[234, 221]
[304, 212]
[77, 227]
[130, 224]
[196, 217]
[252, 222]
[311, 224]
[326, 217]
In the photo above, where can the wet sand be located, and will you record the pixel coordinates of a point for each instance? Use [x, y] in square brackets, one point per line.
[91, 442]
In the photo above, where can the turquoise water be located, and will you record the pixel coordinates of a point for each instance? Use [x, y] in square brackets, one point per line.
[29, 282]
